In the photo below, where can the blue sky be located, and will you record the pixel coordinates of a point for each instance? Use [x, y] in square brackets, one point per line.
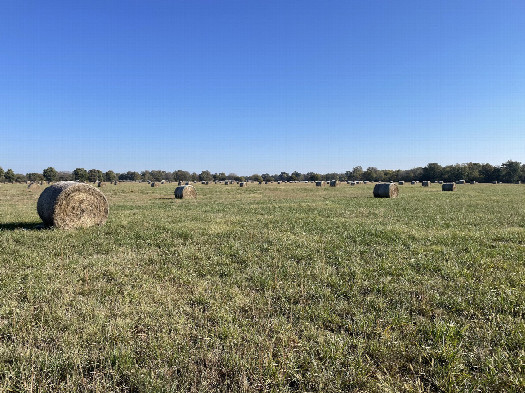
[260, 86]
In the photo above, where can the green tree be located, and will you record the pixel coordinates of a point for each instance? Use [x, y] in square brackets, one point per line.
[256, 177]
[511, 171]
[433, 171]
[1, 173]
[9, 175]
[110, 176]
[80, 174]
[50, 174]
[283, 176]
[158, 175]
[487, 173]
[205, 176]
[180, 175]
[357, 173]
[93, 175]
[296, 176]
[34, 176]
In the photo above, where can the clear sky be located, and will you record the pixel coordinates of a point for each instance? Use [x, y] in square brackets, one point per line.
[260, 86]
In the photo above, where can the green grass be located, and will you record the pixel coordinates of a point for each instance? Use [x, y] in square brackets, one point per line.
[267, 288]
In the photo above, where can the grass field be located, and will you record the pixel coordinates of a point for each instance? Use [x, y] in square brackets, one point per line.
[286, 287]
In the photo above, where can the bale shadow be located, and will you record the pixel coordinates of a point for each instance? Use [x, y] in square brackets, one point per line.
[24, 226]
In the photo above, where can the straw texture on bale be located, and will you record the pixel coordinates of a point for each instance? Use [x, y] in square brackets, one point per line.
[385, 190]
[448, 187]
[69, 204]
[33, 186]
[185, 192]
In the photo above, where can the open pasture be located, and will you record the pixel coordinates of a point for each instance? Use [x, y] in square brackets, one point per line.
[287, 287]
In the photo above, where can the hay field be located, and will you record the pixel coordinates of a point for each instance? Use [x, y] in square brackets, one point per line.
[286, 287]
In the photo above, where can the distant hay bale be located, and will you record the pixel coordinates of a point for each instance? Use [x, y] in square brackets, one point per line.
[401, 182]
[473, 182]
[243, 184]
[385, 190]
[162, 181]
[100, 184]
[33, 186]
[333, 183]
[318, 183]
[278, 182]
[460, 182]
[69, 204]
[448, 187]
[425, 183]
[115, 182]
[185, 192]
[154, 184]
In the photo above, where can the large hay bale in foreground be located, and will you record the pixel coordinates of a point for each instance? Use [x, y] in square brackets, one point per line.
[448, 187]
[69, 204]
[185, 192]
[386, 190]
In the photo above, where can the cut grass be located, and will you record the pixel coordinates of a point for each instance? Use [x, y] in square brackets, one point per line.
[274, 287]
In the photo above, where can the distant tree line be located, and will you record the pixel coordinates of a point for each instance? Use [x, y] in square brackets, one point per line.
[508, 172]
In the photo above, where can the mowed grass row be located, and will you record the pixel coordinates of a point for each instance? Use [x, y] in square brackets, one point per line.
[285, 287]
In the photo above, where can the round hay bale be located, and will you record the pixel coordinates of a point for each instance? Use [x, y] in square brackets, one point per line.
[154, 184]
[100, 184]
[33, 186]
[401, 182]
[448, 187]
[185, 192]
[69, 204]
[318, 183]
[243, 184]
[333, 183]
[115, 182]
[425, 183]
[386, 190]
